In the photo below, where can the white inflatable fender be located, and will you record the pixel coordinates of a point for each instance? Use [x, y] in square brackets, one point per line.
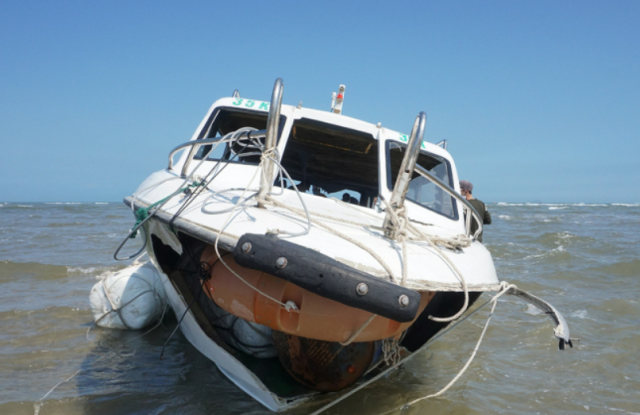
[131, 298]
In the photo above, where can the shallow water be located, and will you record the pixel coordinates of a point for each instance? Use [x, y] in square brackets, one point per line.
[584, 259]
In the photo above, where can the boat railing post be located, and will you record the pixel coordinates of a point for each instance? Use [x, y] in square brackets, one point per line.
[406, 171]
[273, 123]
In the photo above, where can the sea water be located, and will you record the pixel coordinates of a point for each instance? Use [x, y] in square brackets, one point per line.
[582, 258]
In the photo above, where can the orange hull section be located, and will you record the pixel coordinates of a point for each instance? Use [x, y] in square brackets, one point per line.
[317, 318]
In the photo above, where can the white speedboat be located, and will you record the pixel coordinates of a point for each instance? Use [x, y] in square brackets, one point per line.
[304, 251]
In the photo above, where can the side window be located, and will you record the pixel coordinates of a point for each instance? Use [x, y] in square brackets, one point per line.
[225, 121]
[421, 190]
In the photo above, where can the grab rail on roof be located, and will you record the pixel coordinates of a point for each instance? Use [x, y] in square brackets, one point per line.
[212, 140]
[406, 171]
[266, 179]
[408, 166]
[270, 141]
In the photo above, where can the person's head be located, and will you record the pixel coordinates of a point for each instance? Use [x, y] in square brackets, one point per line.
[466, 188]
[346, 197]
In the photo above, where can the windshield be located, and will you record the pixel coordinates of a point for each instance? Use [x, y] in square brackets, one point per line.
[226, 120]
[423, 191]
[332, 161]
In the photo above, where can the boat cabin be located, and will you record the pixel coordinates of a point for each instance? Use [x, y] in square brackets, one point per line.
[329, 155]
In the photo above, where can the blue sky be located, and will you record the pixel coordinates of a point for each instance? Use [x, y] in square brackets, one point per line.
[539, 100]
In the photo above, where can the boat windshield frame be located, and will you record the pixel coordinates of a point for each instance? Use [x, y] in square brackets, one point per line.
[206, 129]
[390, 180]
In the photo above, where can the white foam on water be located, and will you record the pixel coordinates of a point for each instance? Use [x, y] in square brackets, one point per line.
[102, 203]
[557, 207]
[580, 314]
[590, 204]
[89, 270]
[566, 235]
[505, 217]
[622, 410]
[560, 248]
[533, 310]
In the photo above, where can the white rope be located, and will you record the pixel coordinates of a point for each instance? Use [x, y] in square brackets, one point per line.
[37, 405]
[289, 307]
[414, 354]
[505, 286]
[399, 219]
[357, 332]
[270, 200]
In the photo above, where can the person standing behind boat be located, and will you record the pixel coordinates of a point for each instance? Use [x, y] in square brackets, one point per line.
[465, 190]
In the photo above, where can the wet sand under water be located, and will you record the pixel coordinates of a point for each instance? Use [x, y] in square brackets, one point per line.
[584, 259]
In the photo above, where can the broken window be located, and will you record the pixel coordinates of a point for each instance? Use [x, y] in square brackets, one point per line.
[332, 161]
[227, 120]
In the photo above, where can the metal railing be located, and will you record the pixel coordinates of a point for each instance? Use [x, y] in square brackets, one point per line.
[273, 121]
[408, 166]
[406, 171]
[211, 141]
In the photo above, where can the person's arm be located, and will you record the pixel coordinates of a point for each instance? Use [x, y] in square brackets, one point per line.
[487, 217]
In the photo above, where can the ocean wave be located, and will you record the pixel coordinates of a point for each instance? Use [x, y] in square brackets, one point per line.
[581, 204]
[97, 270]
[504, 217]
[533, 310]
[590, 205]
[552, 239]
[622, 269]
[65, 224]
[558, 253]
[580, 314]
[557, 207]
[9, 270]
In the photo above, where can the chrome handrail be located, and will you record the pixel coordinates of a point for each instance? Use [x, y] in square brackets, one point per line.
[427, 175]
[212, 140]
[273, 122]
[406, 171]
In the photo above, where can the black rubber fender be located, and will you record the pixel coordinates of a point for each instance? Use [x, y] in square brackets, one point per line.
[326, 277]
